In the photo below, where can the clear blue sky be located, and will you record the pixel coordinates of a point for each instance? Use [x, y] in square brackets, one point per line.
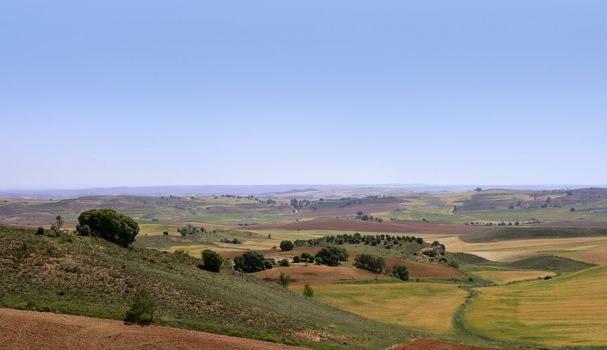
[110, 92]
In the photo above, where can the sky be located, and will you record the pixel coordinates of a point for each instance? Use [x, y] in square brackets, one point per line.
[190, 92]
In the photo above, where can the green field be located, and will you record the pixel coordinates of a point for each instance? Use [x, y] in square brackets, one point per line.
[566, 310]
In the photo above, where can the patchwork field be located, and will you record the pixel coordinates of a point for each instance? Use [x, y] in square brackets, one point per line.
[318, 274]
[566, 310]
[508, 276]
[422, 306]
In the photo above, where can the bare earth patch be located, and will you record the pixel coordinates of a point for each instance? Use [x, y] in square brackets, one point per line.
[318, 274]
[39, 330]
[367, 226]
[431, 344]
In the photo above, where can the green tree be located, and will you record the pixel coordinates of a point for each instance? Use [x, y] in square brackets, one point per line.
[250, 261]
[142, 309]
[308, 291]
[109, 225]
[40, 231]
[401, 271]
[57, 225]
[286, 245]
[332, 255]
[212, 260]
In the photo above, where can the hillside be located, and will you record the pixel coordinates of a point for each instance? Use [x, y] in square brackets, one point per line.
[514, 233]
[91, 277]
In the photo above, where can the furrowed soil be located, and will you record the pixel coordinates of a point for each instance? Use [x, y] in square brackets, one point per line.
[38, 330]
[431, 344]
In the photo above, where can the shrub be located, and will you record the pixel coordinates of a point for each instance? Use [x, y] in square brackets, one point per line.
[370, 262]
[286, 245]
[109, 225]
[56, 226]
[66, 237]
[318, 260]
[296, 259]
[332, 255]
[284, 262]
[401, 271]
[308, 291]
[284, 280]
[84, 230]
[212, 260]
[250, 261]
[142, 309]
[40, 231]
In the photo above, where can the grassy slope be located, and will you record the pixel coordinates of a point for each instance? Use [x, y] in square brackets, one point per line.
[515, 233]
[92, 277]
[567, 310]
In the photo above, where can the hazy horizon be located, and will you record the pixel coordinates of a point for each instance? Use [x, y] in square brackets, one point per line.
[97, 95]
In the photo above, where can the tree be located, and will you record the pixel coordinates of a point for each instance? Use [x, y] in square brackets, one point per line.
[250, 261]
[212, 260]
[109, 225]
[286, 245]
[308, 291]
[142, 309]
[332, 255]
[296, 259]
[401, 271]
[56, 226]
[370, 262]
[284, 280]
[284, 262]
[40, 231]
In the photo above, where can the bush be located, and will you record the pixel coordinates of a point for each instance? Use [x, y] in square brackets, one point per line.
[308, 291]
[284, 280]
[370, 262]
[454, 264]
[250, 261]
[212, 260]
[40, 231]
[318, 260]
[296, 259]
[332, 255]
[286, 245]
[401, 272]
[284, 262]
[142, 309]
[84, 230]
[109, 225]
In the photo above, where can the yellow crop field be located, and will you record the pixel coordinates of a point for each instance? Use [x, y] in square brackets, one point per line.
[567, 310]
[507, 276]
[422, 306]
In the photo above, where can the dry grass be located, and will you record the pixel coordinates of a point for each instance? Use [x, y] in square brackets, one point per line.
[318, 274]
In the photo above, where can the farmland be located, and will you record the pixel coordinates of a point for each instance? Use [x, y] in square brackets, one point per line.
[421, 306]
[567, 310]
[483, 268]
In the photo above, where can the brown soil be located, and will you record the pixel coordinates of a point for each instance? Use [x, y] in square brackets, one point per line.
[419, 270]
[37, 330]
[366, 226]
[430, 344]
[584, 224]
[274, 253]
[351, 210]
[318, 274]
